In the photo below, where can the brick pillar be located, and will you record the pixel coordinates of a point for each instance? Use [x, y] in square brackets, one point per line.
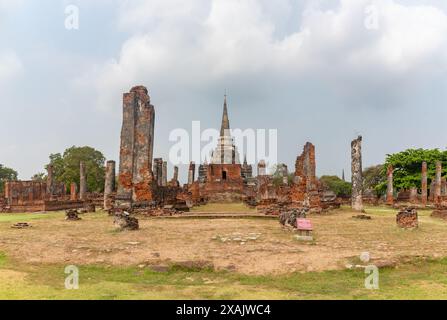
[109, 184]
[164, 174]
[191, 173]
[50, 182]
[438, 181]
[390, 187]
[357, 175]
[414, 195]
[175, 177]
[73, 191]
[136, 151]
[262, 171]
[424, 184]
[82, 182]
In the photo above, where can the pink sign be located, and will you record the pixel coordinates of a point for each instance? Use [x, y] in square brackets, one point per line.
[304, 224]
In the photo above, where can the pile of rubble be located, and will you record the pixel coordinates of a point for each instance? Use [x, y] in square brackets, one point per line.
[362, 217]
[21, 225]
[124, 221]
[407, 218]
[289, 218]
[440, 212]
[72, 215]
[88, 208]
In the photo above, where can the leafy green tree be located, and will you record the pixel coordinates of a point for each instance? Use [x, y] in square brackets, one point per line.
[337, 185]
[407, 167]
[373, 178]
[66, 167]
[6, 174]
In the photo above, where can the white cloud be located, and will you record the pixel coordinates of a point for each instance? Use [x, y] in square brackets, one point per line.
[10, 66]
[202, 44]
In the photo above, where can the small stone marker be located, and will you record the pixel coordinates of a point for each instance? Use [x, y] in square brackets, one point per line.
[304, 227]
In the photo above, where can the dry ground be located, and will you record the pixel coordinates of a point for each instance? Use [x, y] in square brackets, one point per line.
[339, 240]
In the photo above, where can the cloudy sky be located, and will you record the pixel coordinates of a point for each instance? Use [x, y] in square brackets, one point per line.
[319, 71]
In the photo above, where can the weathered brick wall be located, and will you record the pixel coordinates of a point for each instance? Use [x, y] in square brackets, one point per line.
[136, 151]
[304, 191]
[29, 192]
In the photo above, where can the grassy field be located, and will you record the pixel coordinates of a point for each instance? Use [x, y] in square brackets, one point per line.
[32, 261]
[416, 280]
[224, 208]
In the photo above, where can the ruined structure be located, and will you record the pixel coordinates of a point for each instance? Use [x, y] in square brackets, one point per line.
[136, 151]
[357, 178]
[407, 218]
[109, 185]
[73, 191]
[50, 182]
[424, 184]
[158, 171]
[192, 173]
[262, 168]
[438, 181]
[390, 189]
[305, 189]
[82, 182]
[247, 170]
[32, 196]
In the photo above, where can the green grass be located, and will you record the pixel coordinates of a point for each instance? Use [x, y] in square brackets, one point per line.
[224, 208]
[416, 280]
[24, 217]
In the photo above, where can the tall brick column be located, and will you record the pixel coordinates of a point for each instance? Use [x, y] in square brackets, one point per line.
[175, 177]
[137, 145]
[357, 175]
[109, 184]
[390, 187]
[438, 181]
[164, 174]
[82, 182]
[73, 191]
[50, 182]
[424, 184]
[192, 173]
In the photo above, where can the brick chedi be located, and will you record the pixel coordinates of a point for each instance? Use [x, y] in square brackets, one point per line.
[247, 170]
[136, 151]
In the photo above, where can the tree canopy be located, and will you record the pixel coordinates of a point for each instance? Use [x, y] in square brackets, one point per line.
[337, 185]
[6, 174]
[66, 167]
[408, 167]
[373, 178]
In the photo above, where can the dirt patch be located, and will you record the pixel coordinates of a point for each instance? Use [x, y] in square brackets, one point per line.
[166, 242]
